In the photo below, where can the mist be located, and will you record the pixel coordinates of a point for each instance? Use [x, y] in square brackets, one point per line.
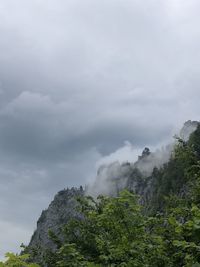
[86, 83]
[113, 176]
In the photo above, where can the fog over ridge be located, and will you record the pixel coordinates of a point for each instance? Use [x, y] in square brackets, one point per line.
[78, 79]
[114, 172]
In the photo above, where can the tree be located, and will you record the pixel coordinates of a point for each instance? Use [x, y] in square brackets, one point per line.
[14, 260]
[114, 232]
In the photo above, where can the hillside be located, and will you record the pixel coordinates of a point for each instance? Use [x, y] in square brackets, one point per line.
[163, 180]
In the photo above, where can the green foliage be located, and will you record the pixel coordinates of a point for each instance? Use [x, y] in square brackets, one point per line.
[118, 231]
[115, 231]
[177, 177]
[14, 260]
[194, 141]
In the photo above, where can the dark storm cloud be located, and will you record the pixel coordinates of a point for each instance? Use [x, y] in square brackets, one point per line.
[77, 80]
[33, 127]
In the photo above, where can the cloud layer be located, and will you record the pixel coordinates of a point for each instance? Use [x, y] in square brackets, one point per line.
[77, 80]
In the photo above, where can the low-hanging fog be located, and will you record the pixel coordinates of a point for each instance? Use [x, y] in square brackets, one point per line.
[112, 172]
[84, 83]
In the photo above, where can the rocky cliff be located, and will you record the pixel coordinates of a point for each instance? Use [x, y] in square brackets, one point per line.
[110, 180]
[59, 212]
[142, 177]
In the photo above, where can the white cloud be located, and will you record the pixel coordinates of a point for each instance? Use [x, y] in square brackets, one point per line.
[77, 79]
[123, 154]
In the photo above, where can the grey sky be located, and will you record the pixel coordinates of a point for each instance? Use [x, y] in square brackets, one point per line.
[77, 80]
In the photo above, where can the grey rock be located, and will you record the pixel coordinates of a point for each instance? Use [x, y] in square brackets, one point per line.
[138, 177]
[59, 212]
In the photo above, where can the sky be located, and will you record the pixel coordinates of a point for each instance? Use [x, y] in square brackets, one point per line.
[84, 83]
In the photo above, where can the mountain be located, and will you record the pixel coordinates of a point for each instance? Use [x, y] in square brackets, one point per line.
[153, 176]
[59, 212]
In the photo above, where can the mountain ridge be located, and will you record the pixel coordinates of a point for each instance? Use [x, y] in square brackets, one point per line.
[113, 178]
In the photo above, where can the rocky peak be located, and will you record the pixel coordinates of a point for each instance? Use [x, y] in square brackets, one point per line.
[145, 153]
[139, 177]
[188, 127]
[59, 212]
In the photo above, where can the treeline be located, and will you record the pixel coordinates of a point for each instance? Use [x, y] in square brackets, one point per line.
[118, 231]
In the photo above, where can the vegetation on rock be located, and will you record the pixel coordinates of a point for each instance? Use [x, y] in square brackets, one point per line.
[120, 231]
[14, 260]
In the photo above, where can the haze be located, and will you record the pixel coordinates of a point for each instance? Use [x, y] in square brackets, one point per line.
[86, 82]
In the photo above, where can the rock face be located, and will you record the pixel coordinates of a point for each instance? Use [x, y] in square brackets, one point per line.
[61, 209]
[188, 127]
[138, 177]
[113, 178]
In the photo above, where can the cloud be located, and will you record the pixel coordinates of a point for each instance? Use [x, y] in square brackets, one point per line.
[125, 153]
[10, 236]
[78, 79]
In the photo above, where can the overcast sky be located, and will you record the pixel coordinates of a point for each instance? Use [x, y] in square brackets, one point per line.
[84, 82]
